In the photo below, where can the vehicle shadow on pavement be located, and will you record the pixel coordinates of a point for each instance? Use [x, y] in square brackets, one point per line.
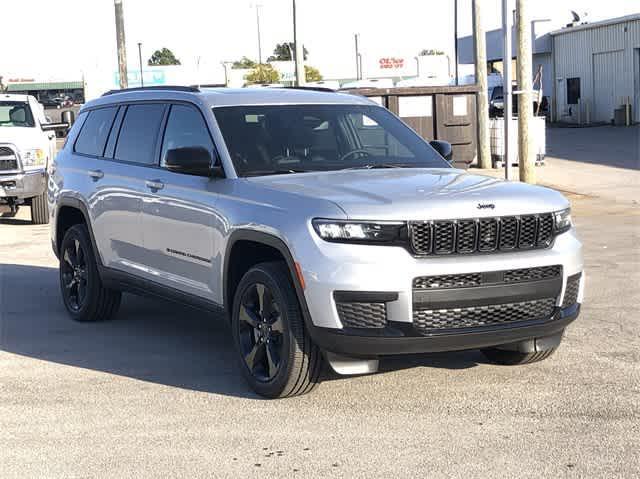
[149, 339]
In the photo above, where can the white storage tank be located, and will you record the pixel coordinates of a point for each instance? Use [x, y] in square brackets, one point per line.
[538, 132]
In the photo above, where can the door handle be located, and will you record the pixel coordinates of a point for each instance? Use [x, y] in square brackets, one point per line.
[96, 174]
[154, 184]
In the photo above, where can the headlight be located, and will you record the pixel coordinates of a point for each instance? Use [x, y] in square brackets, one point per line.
[562, 220]
[32, 157]
[359, 231]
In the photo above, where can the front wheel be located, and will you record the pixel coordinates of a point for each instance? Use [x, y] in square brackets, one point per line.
[278, 358]
[39, 209]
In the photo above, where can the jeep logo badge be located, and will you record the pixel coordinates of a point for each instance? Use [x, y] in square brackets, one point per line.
[484, 206]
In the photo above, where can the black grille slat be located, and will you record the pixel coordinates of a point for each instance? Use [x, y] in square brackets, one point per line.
[571, 291]
[8, 159]
[444, 237]
[532, 274]
[362, 315]
[428, 321]
[482, 235]
[448, 281]
[6, 151]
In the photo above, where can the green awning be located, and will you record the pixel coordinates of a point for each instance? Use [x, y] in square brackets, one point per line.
[67, 85]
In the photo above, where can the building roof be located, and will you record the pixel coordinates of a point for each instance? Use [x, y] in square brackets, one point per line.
[213, 97]
[602, 23]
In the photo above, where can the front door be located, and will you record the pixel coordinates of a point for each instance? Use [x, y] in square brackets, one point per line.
[180, 223]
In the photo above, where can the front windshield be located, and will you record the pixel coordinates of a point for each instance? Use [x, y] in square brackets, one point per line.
[276, 139]
[16, 113]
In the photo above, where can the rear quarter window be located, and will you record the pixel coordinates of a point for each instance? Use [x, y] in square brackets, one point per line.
[95, 131]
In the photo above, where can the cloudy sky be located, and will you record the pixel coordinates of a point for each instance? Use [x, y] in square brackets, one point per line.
[34, 42]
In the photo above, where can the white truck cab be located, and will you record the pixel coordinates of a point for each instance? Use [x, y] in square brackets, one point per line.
[27, 145]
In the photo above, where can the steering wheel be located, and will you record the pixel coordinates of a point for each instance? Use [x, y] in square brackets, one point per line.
[353, 152]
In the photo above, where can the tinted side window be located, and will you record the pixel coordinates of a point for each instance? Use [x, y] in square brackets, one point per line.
[95, 131]
[185, 127]
[139, 132]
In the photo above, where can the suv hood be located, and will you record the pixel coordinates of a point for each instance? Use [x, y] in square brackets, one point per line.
[418, 193]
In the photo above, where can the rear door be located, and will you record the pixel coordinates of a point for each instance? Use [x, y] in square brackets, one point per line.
[119, 187]
[182, 230]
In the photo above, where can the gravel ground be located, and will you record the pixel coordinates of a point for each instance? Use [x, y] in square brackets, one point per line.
[157, 391]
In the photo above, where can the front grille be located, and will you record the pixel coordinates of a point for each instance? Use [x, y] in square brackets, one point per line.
[481, 235]
[465, 280]
[428, 321]
[362, 315]
[571, 291]
[8, 159]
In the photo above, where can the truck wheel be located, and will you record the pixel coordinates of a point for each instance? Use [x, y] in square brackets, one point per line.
[39, 210]
[83, 293]
[278, 358]
[514, 358]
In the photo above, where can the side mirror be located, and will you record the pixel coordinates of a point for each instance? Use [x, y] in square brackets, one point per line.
[54, 126]
[444, 148]
[192, 160]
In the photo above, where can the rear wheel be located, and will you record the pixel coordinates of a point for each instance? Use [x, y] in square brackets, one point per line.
[39, 210]
[514, 358]
[278, 358]
[83, 293]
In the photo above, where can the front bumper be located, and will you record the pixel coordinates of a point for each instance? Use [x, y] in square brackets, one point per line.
[400, 339]
[23, 185]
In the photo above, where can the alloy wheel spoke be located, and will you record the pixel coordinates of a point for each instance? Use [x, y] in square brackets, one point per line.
[272, 361]
[252, 357]
[82, 289]
[80, 255]
[67, 258]
[278, 325]
[260, 290]
[248, 316]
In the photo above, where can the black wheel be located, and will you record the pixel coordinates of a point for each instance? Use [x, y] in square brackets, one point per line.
[83, 293]
[514, 358]
[39, 210]
[277, 356]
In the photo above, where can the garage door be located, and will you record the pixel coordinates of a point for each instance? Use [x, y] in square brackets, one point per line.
[607, 78]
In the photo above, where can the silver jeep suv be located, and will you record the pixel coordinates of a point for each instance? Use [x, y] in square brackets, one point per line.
[325, 228]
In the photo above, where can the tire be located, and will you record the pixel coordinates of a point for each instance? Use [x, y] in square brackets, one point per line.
[272, 338]
[39, 210]
[516, 358]
[83, 293]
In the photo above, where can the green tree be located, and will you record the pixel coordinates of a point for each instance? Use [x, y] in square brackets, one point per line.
[430, 51]
[263, 73]
[244, 63]
[163, 57]
[312, 73]
[282, 52]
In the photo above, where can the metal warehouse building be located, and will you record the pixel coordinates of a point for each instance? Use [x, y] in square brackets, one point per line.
[596, 70]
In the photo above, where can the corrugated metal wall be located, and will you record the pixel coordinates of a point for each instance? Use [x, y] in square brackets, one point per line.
[574, 53]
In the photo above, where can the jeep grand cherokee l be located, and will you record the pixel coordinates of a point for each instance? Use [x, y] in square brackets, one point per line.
[323, 226]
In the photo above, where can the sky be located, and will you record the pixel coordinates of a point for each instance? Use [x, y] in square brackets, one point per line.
[79, 35]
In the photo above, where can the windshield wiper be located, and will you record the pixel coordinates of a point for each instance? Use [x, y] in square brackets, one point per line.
[277, 172]
[376, 166]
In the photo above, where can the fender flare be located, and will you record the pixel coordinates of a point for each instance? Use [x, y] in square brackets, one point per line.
[75, 203]
[273, 242]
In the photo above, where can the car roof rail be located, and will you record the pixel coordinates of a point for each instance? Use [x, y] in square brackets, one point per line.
[190, 89]
[311, 88]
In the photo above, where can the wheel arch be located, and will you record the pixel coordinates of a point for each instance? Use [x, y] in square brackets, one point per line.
[71, 211]
[238, 243]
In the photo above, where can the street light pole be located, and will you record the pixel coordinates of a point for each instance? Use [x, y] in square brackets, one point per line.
[140, 58]
[506, 83]
[358, 72]
[122, 50]
[299, 57]
[259, 37]
[455, 35]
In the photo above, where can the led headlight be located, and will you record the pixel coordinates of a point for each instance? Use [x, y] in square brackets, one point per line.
[34, 157]
[562, 220]
[345, 231]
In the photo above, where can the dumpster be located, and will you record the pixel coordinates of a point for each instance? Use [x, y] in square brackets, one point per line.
[436, 113]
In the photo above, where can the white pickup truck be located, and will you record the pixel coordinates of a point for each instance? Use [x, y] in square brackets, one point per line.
[27, 145]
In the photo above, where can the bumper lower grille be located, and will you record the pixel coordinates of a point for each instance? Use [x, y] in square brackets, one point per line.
[466, 280]
[481, 235]
[8, 159]
[362, 315]
[427, 321]
[571, 291]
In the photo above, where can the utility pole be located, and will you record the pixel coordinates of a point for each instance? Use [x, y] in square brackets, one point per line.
[140, 58]
[506, 83]
[300, 74]
[455, 37]
[479, 41]
[259, 37]
[358, 71]
[525, 103]
[122, 49]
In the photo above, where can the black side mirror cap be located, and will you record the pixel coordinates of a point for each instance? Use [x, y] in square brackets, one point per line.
[444, 148]
[192, 160]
